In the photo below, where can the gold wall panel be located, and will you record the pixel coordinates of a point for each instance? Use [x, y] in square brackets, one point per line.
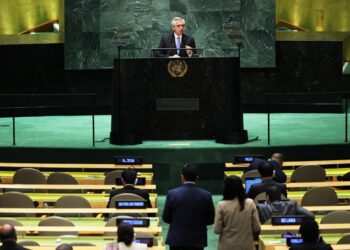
[315, 15]
[19, 15]
[325, 20]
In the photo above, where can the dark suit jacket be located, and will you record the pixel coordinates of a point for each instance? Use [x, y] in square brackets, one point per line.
[169, 42]
[188, 209]
[280, 176]
[284, 207]
[11, 245]
[130, 189]
[266, 183]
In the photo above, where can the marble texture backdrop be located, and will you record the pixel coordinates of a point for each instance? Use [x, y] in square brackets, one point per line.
[95, 29]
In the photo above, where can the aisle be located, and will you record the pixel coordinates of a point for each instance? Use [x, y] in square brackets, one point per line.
[212, 238]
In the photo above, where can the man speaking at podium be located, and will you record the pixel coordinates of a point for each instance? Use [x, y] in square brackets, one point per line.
[177, 39]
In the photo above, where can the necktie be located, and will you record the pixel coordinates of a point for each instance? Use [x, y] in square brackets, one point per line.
[178, 44]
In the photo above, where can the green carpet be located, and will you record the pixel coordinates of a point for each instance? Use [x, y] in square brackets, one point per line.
[76, 132]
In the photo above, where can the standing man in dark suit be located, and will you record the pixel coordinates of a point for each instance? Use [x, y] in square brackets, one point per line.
[188, 209]
[176, 39]
[129, 179]
[266, 171]
[8, 237]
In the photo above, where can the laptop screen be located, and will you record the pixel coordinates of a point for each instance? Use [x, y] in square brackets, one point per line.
[148, 241]
[249, 181]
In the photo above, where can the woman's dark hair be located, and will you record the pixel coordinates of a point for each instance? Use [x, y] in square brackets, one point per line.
[233, 188]
[125, 234]
[309, 230]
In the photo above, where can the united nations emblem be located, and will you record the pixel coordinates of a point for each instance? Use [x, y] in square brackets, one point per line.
[177, 68]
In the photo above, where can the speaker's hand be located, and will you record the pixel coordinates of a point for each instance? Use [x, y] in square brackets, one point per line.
[189, 50]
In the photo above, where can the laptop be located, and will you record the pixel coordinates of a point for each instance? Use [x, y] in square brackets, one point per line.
[148, 241]
[249, 181]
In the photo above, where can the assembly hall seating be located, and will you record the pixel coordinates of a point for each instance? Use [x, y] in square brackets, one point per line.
[314, 185]
[82, 208]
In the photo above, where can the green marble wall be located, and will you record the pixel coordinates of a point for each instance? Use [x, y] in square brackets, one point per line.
[95, 28]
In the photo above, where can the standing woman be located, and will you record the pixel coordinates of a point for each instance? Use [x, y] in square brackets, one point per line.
[236, 217]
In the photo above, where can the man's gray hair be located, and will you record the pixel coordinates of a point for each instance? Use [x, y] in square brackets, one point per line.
[173, 22]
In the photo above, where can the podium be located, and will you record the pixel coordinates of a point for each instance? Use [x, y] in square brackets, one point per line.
[177, 99]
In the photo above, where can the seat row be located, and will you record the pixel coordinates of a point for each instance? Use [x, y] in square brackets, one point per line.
[312, 173]
[34, 176]
[21, 200]
[59, 226]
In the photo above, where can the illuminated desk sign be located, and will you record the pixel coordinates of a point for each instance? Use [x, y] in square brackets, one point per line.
[128, 160]
[135, 222]
[287, 220]
[130, 204]
[294, 241]
[141, 181]
[246, 158]
[148, 241]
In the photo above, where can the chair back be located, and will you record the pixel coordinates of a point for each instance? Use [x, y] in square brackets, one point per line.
[56, 221]
[345, 177]
[60, 178]
[312, 173]
[28, 243]
[268, 222]
[77, 244]
[345, 239]
[336, 217]
[73, 201]
[320, 196]
[251, 173]
[15, 200]
[111, 176]
[259, 197]
[126, 197]
[29, 176]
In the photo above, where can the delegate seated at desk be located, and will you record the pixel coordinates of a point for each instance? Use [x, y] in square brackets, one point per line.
[275, 206]
[176, 39]
[266, 172]
[276, 161]
[129, 179]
